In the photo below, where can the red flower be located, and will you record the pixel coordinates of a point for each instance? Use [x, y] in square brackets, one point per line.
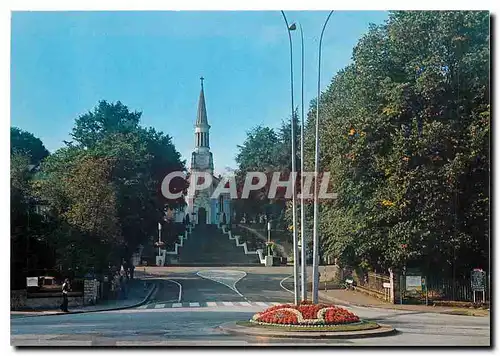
[280, 315]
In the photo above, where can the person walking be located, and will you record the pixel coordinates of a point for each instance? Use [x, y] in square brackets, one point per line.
[131, 271]
[117, 286]
[65, 289]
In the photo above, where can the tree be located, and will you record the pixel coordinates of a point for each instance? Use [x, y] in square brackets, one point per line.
[106, 119]
[405, 135]
[105, 187]
[259, 150]
[268, 151]
[25, 144]
[28, 229]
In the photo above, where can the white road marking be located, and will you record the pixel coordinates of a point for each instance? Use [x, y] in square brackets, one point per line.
[180, 288]
[229, 278]
[208, 304]
[282, 286]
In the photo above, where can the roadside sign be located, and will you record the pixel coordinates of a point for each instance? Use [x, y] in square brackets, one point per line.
[31, 281]
[478, 279]
[478, 283]
[414, 283]
[386, 285]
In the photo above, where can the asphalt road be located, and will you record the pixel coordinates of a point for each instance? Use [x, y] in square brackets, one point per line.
[255, 284]
[161, 324]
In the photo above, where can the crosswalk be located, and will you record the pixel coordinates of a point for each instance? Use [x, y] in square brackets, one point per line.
[207, 304]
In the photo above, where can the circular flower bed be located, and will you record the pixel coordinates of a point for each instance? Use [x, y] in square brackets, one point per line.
[305, 314]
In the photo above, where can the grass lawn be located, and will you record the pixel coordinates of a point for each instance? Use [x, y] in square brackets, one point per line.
[468, 312]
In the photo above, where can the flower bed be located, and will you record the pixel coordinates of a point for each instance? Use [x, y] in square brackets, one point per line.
[305, 314]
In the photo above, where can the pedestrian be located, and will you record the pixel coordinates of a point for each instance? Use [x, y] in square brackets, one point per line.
[132, 267]
[123, 271]
[65, 289]
[123, 287]
[116, 281]
[113, 287]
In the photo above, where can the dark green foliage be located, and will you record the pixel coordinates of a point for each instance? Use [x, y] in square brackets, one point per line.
[102, 191]
[25, 144]
[405, 133]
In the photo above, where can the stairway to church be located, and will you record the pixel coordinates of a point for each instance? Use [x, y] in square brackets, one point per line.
[207, 245]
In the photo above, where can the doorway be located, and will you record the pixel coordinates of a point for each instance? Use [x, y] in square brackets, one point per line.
[202, 216]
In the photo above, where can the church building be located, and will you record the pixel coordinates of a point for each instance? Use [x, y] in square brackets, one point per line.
[202, 209]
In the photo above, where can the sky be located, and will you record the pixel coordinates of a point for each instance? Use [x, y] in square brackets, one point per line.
[63, 63]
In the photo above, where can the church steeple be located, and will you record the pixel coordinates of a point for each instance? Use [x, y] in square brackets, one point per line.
[202, 127]
[201, 118]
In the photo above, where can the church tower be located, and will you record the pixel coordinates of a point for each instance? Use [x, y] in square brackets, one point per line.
[201, 207]
[202, 159]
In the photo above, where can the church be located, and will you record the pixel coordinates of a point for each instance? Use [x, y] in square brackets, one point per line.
[202, 209]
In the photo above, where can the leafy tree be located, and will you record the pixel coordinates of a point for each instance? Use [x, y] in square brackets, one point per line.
[259, 150]
[106, 119]
[105, 187]
[268, 151]
[28, 230]
[25, 144]
[405, 131]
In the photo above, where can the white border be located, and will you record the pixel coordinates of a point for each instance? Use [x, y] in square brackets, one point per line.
[7, 6]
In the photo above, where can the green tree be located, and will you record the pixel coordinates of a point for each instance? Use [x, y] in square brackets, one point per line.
[28, 229]
[405, 134]
[106, 119]
[25, 144]
[268, 151]
[124, 165]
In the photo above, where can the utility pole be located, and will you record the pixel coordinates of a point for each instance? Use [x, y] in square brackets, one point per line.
[290, 28]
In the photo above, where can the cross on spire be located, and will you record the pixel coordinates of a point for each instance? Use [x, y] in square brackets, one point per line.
[202, 79]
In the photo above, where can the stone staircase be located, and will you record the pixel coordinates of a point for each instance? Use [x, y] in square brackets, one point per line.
[209, 246]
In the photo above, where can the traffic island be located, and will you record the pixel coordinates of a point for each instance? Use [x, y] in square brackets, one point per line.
[307, 320]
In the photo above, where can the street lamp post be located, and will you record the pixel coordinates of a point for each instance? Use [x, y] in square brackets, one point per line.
[290, 28]
[159, 239]
[268, 236]
[269, 232]
[316, 175]
[302, 208]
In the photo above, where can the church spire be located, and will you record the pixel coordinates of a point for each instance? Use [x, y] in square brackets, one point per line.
[201, 118]
[202, 137]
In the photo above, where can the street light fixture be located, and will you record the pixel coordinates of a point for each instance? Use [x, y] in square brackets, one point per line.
[268, 236]
[290, 28]
[303, 265]
[316, 175]
[159, 239]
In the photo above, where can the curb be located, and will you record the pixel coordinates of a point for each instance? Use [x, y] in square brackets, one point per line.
[389, 306]
[382, 330]
[144, 301]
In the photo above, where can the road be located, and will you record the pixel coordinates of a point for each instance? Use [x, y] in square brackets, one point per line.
[190, 303]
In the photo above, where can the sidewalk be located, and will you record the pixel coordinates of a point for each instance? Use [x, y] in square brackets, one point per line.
[355, 298]
[137, 295]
